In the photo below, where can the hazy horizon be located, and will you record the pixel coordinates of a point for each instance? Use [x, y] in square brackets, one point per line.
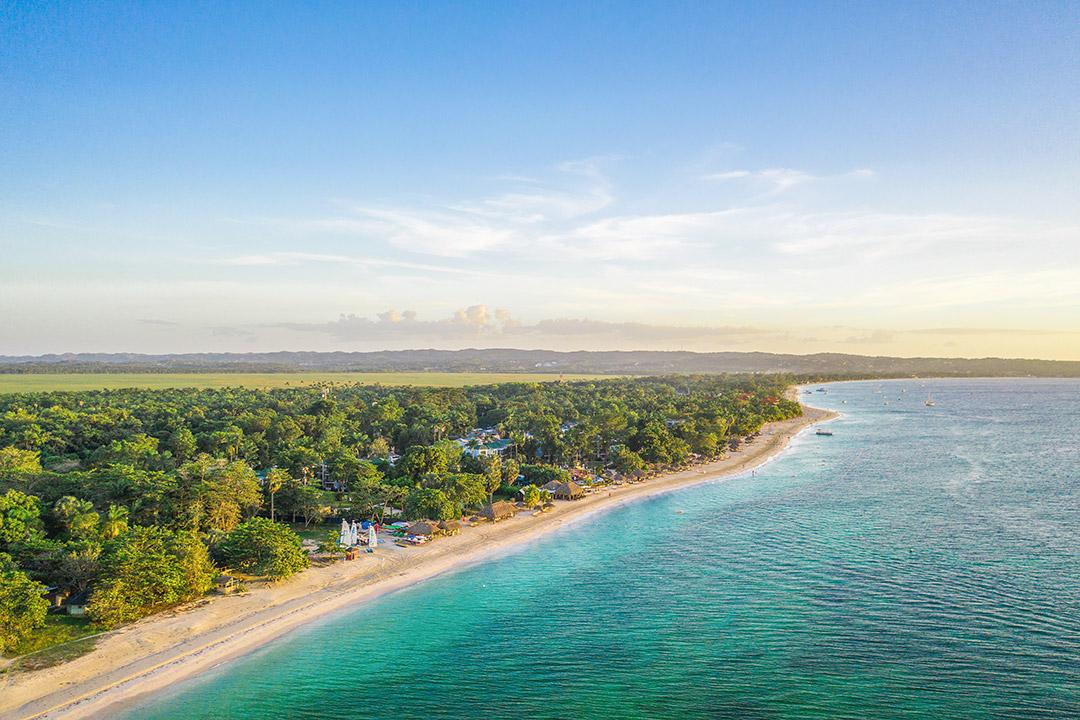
[873, 179]
[493, 348]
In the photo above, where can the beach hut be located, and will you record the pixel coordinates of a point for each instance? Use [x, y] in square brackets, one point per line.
[497, 511]
[423, 528]
[450, 527]
[569, 490]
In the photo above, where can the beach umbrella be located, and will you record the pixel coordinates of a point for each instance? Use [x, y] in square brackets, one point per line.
[345, 534]
[372, 538]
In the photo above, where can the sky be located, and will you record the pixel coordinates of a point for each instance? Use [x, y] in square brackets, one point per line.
[873, 178]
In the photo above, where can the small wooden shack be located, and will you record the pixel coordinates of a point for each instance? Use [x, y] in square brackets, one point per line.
[76, 604]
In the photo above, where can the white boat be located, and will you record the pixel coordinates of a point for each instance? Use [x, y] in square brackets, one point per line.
[827, 433]
[929, 400]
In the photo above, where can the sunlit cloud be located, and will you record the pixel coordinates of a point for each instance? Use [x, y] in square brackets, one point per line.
[476, 325]
[571, 251]
[301, 258]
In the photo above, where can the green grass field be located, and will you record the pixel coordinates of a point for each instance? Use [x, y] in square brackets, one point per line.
[109, 381]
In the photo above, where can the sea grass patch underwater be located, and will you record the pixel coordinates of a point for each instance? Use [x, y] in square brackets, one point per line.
[919, 563]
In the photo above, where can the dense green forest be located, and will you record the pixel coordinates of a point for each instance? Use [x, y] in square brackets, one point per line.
[136, 498]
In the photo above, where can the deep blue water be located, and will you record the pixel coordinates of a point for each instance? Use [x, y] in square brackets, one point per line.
[921, 563]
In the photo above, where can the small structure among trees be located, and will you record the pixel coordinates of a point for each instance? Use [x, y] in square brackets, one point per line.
[496, 511]
[425, 528]
[568, 490]
[450, 527]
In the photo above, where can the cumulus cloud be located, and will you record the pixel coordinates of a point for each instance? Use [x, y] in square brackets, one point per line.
[478, 325]
[483, 327]
[405, 326]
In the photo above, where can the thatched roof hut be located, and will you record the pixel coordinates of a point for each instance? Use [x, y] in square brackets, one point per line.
[450, 527]
[498, 511]
[423, 527]
[569, 490]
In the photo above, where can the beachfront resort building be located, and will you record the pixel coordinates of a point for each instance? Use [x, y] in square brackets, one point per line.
[485, 442]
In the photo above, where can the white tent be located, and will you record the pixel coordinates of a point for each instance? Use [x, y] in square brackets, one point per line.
[346, 535]
[372, 537]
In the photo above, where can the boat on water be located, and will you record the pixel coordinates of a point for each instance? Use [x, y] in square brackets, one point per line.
[827, 433]
[929, 400]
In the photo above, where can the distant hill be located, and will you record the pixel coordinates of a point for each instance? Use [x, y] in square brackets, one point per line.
[509, 360]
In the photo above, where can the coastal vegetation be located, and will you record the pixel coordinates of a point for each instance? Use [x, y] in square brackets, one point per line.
[126, 502]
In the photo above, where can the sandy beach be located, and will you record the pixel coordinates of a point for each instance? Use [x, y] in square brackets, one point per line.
[159, 651]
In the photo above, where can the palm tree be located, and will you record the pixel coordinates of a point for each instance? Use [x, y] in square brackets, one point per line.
[116, 522]
[274, 480]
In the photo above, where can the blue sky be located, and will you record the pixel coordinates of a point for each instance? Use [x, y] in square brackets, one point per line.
[860, 177]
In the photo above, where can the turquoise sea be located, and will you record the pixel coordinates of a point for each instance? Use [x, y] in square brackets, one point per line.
[924, 562]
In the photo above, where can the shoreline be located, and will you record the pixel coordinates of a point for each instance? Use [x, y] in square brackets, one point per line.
[157, 652]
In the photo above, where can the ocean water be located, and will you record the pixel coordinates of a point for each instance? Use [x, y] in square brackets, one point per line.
[921, 563]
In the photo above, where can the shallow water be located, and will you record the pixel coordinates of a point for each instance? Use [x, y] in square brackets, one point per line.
[921, 563]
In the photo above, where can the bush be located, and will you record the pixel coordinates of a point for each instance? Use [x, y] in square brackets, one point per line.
[146, 570]
[540, 475]
[430, 503]
[261, 546]
[22, 607]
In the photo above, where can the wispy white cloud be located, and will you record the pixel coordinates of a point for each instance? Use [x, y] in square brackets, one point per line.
[300, 258]
[542, 203]
[636, 237]
[510, 220]
[891, 234]
[568, 243]
[774, 181]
